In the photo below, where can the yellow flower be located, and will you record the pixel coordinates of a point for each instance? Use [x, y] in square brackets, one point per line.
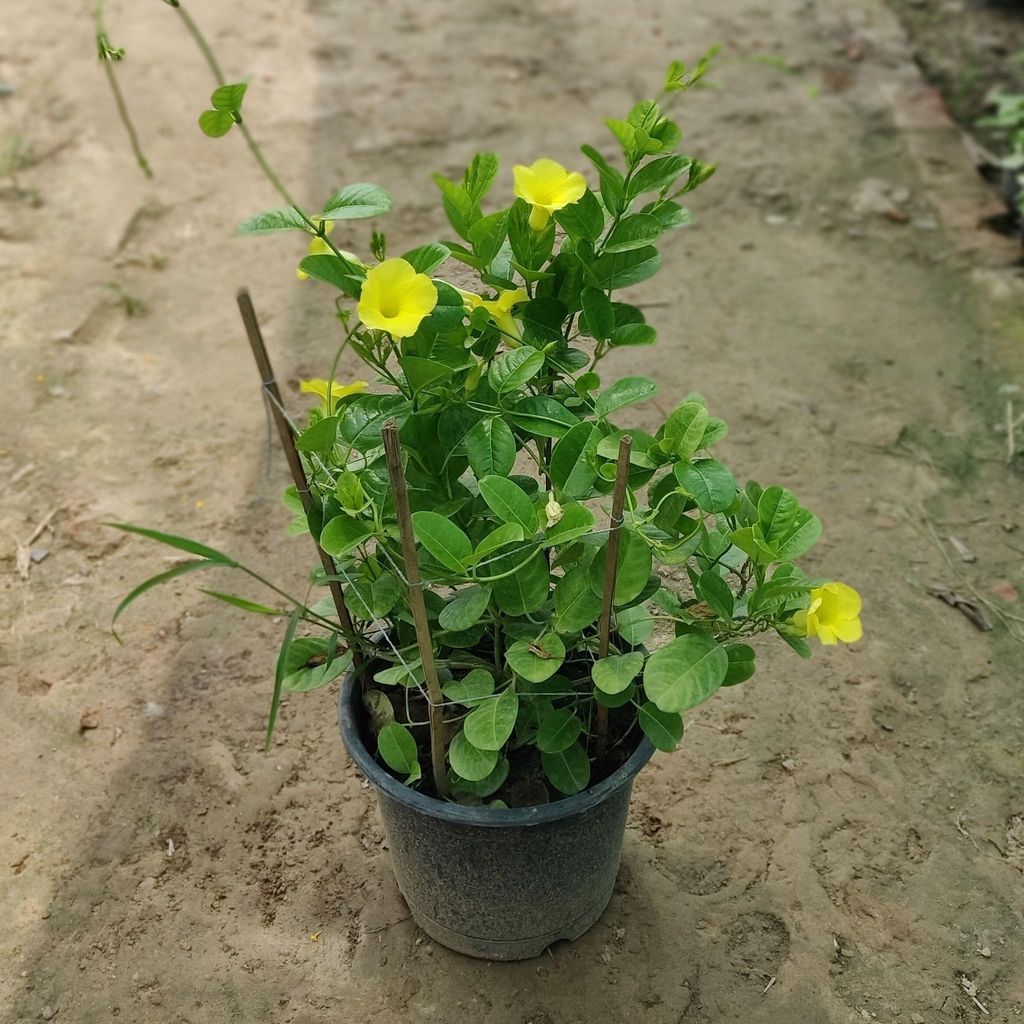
[319, 247]
[338, 391]
[548, 186]
[833, 614]
[395, 298]
[500, 310]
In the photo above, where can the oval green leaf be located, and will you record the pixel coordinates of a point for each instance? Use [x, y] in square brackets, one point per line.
[443, 539]
[491, 724]
[615, 673]
[568, 770]
[538, 659]
[685, 672]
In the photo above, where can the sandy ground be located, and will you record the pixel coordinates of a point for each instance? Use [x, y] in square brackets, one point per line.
[837, 841]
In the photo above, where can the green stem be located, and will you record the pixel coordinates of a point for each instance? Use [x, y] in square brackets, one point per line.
[105, 49]
[218, 74]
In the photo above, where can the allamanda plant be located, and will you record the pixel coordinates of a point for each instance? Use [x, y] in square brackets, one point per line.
[537, 678]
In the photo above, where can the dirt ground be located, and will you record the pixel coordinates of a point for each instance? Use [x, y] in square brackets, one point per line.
[836, 841]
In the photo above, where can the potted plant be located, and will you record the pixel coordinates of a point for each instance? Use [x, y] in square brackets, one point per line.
[522, 596]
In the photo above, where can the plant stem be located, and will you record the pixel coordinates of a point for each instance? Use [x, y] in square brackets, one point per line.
[218, 74]
[611, 569]
[105, 51]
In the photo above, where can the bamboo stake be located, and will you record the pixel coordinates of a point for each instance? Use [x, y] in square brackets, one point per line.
[611, 569]
[284, 430]
[389, 435]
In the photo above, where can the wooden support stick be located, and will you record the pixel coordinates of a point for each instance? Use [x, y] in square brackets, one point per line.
[284, 430]
[389, 435]
[611, 570]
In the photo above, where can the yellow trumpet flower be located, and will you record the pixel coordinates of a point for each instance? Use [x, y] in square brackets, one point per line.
[833, 614]
[548, 187]
[395, 298]
[338, 390]
[500, 310]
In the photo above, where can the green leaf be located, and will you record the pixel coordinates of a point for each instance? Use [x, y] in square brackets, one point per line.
[422, 373]
[343, 533]
[228, 98]
[471, 762]
[215, 123]
[526, 590]
[776, 513]
[741, 664]
[716, 593]
[658, 174]
[471, 688]
[536, 660]
[396, 746]
[466, 608]
[174, 541]
[328, 268]
[803, 535]
[613, 674]
[288, 219]
[572, 469]
[663, 728]
[509, 502]
[620, 269]
[684, 430]
[685, 672]
[634, 624]
[600, 316]
[622, 393]
[480, 175]
[710, 484]
[280, 672]
[153, 581]
[483, 787]
[241, 602]
[425, 259]
[356, 202]
[616, 700]
[312, 677]
[583, 219]
[321, 437]
[487, 234]
[612, 181]
[459, 206]
[633, 232]
[543, 416]
[567, 770]
[443, 539]
[406, 674]
[575, 522]
[632, 335]
[489, 726]
[502, 536]
[360, 420]
[559, 730]
[510, 371]
[577, 604]
[669, 214]
[634, 567]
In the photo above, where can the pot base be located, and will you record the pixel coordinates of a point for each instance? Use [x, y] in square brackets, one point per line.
[484, 948]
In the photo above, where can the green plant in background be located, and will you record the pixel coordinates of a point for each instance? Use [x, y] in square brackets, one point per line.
[530, 656]
[1007, 121]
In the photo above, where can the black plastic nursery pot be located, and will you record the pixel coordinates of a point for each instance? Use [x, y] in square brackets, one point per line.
[494, 883]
